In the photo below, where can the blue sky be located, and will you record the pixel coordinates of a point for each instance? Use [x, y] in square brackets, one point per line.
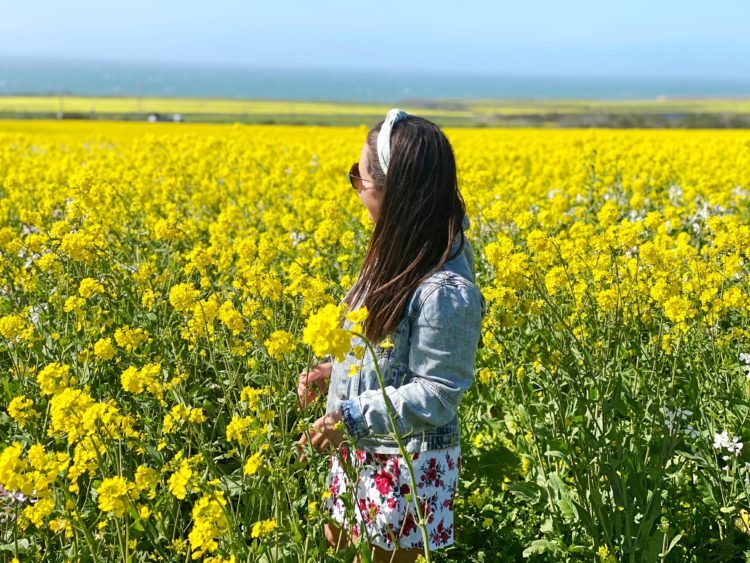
[656, 38]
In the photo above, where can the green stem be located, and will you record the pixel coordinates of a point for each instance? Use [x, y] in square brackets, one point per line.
[401, 448]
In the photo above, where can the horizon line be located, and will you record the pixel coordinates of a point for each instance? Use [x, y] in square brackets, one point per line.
[8, 58]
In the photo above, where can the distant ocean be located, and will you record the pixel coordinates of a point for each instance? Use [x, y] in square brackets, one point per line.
[36, 76]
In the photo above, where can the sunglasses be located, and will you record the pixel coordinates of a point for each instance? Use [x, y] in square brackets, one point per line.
[356, 180]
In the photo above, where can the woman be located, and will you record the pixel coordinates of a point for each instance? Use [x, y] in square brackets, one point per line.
[425, 312]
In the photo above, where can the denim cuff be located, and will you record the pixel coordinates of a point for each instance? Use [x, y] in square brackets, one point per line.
[351, 414]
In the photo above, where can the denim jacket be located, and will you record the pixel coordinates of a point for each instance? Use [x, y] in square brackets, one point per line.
[426, 372]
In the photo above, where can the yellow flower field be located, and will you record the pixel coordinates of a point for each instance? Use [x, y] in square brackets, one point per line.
[155, 284]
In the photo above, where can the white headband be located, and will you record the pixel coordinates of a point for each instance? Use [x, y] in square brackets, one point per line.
[384, 136]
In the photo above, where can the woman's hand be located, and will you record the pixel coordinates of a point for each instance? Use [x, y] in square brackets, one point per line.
[326, 432]
[313, 383]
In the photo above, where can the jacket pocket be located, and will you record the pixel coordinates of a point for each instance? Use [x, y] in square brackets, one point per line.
[368, 377]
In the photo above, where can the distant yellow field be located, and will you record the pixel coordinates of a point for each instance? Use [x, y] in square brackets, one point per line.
[85, 130]
[81, 104]
[614, 106]
[370, 112]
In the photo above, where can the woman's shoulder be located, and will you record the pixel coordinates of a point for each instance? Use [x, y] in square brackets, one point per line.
[446, 292]
[457, 272]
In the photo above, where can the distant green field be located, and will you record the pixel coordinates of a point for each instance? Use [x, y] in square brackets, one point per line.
[657, 112]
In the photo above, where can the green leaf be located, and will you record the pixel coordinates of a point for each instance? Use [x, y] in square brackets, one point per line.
[586, 519]
[693, 457]
[23, 545]
[539, 547]
[673, 543]
[653, 548]
[568, 510]
[530, 492]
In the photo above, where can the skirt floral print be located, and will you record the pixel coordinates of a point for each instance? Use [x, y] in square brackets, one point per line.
[382, 514]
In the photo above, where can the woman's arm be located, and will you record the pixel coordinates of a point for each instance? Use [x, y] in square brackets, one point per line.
[444, 339]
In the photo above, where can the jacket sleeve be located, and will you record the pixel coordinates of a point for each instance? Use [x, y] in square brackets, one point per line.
[443, 345]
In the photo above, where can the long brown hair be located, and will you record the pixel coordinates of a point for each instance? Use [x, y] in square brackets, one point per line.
[420, 215]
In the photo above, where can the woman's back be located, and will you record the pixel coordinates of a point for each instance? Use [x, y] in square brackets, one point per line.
[411, 360]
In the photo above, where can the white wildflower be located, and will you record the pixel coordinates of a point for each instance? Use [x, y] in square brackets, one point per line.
[745, 358]
[675, 194]
[731, 443]
[673, 418]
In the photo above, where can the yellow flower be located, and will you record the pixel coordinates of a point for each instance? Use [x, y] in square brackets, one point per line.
[148, 299]
[204, 315]
[604, 555]
[148, 378]
[240, 429]
[180, 480]
[196, 415]
[263, 528]
[113, 495]
[253, 463]
[252, 395]
[79, 246]
[146, 478]
[608, 213]
[324, 333]
[358, 316]
[280, 344]
[15, 328]
[21, 409]
[89, 287]
[74, 304]
[39, 511]
[386, 342]
[130, 338]
[555, 280]
[231, 318]
[209, 523]
[183, 296]
[53, 378]
[104, 349]
[61, 525]
[678, 309]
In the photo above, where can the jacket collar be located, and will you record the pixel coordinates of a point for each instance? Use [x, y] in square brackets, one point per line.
[457, 239]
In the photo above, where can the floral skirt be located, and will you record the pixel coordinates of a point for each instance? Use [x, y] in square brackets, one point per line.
[385, 512]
